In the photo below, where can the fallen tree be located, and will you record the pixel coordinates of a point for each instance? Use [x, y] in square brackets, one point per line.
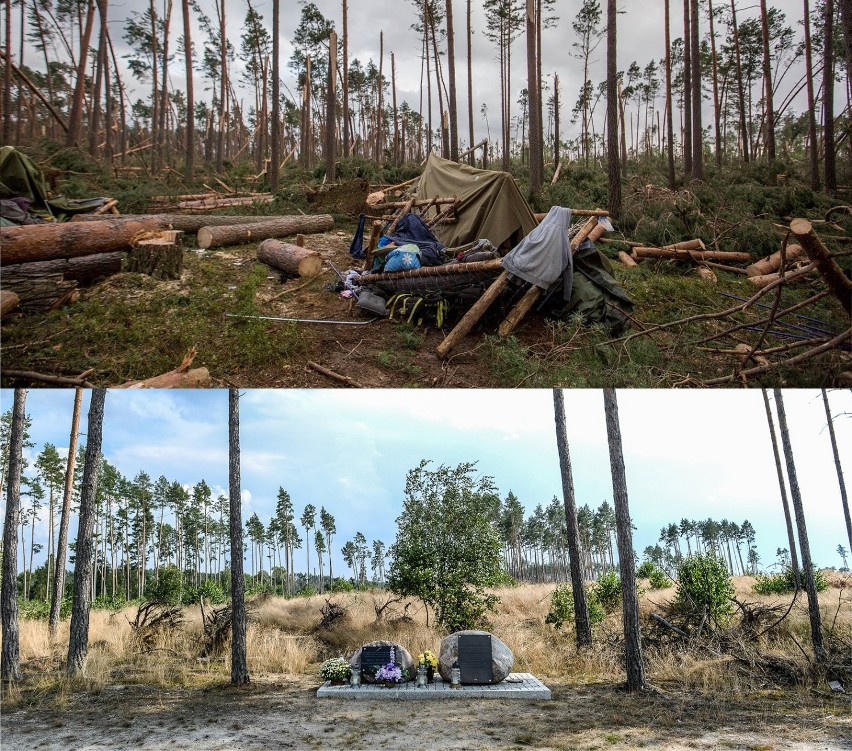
[189, 223]
[213, 236]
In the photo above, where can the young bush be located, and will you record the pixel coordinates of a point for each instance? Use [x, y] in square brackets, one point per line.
[607, 591]
[168, 589]
[659, 579]
[783, 583]
[562, 607]
[704, 583]
[646, 569]
[210, 590]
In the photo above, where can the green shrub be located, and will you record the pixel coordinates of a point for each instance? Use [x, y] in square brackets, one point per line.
[39, 610]
[704, 583]
[210, 590]
[779, 584]
[168, 589]
[659, 579]
[646, 569]
[109, 602]
[607, 591]
[562, 607]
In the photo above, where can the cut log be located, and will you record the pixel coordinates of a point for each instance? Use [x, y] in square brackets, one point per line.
[763, 280]
[375, 236]
[706, 274]
[46, 242]
[40, 292]
[627, 259]
[519, 311]
[834, 277]
[470, 318]
[159, 257]
[577, 212]
[282, 226]
[448, 269]
[773, 263]
[81, 269]
[211, 204]
[8, 302]
[291, 259]
[189, 223]
[674, 254]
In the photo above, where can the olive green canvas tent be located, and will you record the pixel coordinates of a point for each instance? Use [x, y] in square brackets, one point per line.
[490, 204]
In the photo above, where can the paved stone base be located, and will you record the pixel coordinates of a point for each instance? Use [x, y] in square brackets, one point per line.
[516, 686]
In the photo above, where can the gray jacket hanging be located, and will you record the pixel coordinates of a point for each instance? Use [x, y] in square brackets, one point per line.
[545, 253]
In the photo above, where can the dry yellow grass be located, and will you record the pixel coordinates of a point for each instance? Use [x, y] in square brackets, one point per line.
[283, 639]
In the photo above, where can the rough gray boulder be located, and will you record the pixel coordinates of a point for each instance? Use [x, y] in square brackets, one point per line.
[502, 658]
[403, 658]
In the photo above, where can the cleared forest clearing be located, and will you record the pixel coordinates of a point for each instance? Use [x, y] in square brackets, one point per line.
[701, 697]
[132, 327]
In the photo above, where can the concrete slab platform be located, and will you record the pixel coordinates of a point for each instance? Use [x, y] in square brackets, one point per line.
[516, 686]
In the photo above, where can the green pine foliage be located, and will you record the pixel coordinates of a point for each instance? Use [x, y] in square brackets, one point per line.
[704, 583]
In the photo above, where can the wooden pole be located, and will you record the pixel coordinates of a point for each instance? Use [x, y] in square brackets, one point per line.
[473, 315]
[283, 226]
[834, 277]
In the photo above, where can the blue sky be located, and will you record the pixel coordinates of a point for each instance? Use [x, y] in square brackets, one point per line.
[693, 454]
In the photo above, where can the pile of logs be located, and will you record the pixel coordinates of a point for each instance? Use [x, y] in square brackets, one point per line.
[210, 201]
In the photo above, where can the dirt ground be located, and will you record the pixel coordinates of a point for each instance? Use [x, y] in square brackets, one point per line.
[283, 712]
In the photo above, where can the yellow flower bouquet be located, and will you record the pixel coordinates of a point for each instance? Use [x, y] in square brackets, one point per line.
[428, 659]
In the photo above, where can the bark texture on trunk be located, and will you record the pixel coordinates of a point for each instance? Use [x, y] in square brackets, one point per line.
[581, 609]
[283, 226]
[613, 166]
[10, 665]
[804, 545]
[78, 644]
[62, 539]
[840, 481]
[629, 598]
[239, 663]
[791, 535]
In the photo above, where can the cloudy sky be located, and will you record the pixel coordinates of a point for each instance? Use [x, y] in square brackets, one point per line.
[641, 38]
[693, 454]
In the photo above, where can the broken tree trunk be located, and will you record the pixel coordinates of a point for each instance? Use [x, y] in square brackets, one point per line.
[46, 242]
[210, 204]
[8, 302]
[291, 259]
[160, 257]
[834, 277]
[282, 226]
[674, 254]
[773, 263]
[179, 378]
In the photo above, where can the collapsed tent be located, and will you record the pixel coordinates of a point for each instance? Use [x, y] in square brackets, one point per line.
[490, 205]
[22, 180]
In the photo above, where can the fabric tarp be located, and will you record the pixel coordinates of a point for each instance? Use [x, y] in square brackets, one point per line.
[20, 178]
[490, 204]
[545, 253]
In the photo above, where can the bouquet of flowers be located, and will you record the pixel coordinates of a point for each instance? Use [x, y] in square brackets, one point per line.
[390, 673]
[427, 659]
[335, 669]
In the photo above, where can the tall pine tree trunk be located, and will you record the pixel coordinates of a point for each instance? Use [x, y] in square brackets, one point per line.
[471, 157]
[581, 610]
[75, 117]
[629, 597]
[64, 516]
[78, 645]
[536, 162]
[804, 545]
[744, 136]
[840, 481]
[813, 145]
[452, 104]
[687, 90]
[717, 114]
[189, 145]
[697, 127]
[239, 664]
[769, 104]
[791, 535]
[613, 166]
[10, 665]
[828, 101]
[669, 112]
[345, 78]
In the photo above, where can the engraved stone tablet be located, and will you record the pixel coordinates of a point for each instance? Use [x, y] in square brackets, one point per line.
[372, 658]
[475, 658]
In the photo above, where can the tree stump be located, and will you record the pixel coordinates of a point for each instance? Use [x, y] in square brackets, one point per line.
[160, 257]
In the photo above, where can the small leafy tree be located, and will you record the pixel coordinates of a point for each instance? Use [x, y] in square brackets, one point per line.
[447, 549]
[607, 591]
[704, 583]
[562, 607]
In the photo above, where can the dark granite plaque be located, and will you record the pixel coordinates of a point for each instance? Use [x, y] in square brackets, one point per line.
[475, 658]
[372, 658]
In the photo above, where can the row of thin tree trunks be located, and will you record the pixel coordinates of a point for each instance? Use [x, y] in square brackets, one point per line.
[160, 132]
